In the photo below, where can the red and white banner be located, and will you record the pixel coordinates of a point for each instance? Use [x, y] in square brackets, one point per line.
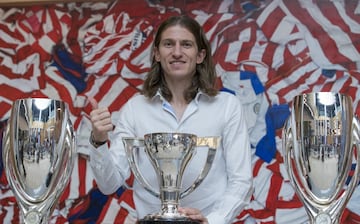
[265, 52]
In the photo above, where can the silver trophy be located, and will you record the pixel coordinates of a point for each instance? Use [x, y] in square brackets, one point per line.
[38, 156]
[169, 154]
[321, 142]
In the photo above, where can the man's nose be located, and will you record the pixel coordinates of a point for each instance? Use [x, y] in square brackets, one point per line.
[177, 50]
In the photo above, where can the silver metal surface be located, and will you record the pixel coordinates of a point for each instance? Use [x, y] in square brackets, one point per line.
[169, 153]
[38, 155]
[321, 141]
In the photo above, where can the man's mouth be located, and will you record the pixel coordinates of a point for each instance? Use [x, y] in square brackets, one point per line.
[177, 62]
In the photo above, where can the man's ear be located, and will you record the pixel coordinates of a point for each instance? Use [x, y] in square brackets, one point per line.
[156, 54]
[201, 56]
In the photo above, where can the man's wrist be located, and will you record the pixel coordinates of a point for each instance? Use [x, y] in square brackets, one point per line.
[94, 143]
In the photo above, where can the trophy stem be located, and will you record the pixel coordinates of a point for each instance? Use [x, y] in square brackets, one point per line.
[37, 213]
[170, 175]
[34, 217]
[324, 218]
[170, 202]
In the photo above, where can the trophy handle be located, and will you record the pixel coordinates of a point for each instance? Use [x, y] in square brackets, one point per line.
[288, 147]
[287, 137]
[346, 195]
[67, 157]
[356, 144]
[132, 147]
[6, 141]
[212, 143]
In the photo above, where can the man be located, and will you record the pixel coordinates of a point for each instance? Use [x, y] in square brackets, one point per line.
[179, 95]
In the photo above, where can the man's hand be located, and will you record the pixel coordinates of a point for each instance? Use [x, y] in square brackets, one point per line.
[101, 121]
[194, 214]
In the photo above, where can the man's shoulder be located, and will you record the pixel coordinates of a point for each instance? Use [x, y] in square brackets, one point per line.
[139, 99]
[224, 95]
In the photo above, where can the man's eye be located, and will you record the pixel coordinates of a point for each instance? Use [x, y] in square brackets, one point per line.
[187, 44]
[167, 44]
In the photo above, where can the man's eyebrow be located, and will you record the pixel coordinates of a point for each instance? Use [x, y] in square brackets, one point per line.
[184, 40]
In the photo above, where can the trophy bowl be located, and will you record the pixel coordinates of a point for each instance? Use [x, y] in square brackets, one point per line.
[38, 156]
[321, 142]
[169, 154]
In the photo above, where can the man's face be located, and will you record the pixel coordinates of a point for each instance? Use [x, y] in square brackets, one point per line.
[178, 53]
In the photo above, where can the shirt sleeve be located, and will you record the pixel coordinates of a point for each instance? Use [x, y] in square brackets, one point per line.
[109, 164]
[237, 155]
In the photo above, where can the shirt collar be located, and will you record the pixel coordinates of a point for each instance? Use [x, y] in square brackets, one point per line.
[200, 93]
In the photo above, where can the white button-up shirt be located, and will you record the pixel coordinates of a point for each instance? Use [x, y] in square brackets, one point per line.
[227, 188]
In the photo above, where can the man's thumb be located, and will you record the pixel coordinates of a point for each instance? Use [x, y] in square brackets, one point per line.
[93, 102]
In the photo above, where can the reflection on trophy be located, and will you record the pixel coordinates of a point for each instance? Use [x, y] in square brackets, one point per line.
[38, 156]
[321, 139]
[169, 154]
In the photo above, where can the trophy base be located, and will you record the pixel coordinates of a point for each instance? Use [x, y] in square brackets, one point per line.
[151, 219]
[167, 222]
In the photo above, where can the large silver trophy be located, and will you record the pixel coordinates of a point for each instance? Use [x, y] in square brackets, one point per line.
[38, 155]
[169, 154]
[321, 139]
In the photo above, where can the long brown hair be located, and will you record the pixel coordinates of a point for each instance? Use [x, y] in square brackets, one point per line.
[205, 75]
